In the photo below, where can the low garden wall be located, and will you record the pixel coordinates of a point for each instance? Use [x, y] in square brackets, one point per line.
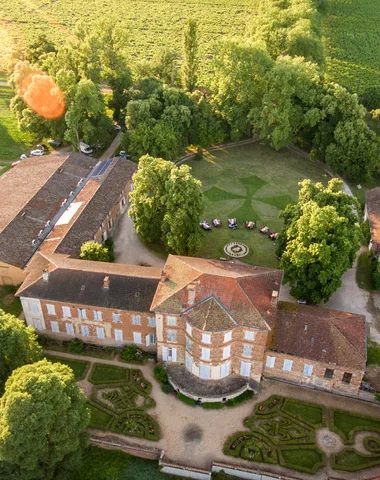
[114, 443]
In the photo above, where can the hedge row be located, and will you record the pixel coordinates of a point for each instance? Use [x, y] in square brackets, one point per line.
[349, 460]
[233, 402]
[187, 400]
[310, 458]
[343, 423]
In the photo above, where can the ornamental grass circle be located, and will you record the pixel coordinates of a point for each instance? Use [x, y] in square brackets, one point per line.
[236, 249]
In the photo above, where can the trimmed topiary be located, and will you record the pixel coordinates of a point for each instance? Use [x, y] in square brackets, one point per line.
[215, 405]
[187, 400]
[233, 402]
[167, 388]
[75, 346]
[160, 374]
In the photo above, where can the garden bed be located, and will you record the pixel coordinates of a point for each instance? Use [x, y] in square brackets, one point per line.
[96, 351]
[79, 367]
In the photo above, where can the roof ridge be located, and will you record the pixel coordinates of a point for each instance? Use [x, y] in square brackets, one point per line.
[344, 336]
[207, 299]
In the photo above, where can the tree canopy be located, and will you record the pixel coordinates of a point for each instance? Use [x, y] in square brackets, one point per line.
[319, 240]
[95, 251]
[43, 415]
[190, 56]
[18, 346]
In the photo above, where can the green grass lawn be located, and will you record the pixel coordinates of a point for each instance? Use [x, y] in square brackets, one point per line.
[79, 367]
[250, 182]
[99, 419]
[8, 302]
[108, 373]
[12, 142]
[363, 272]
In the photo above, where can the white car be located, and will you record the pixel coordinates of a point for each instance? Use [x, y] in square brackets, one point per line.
[117, 127]
[84, 148]
[37, 153]
[23, 156]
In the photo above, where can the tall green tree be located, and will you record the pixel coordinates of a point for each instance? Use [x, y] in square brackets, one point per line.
[43, 416]
[319, 240]
[94, 251]
[190, 56]
[37, 49]
[18, 346]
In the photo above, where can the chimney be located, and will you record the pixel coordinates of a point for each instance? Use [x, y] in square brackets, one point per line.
[164, 276]
[305, 329]
[106, 282]
[274, 297]
[191, 293]
[45, 275]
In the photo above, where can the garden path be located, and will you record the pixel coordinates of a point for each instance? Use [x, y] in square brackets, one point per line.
[194, 436]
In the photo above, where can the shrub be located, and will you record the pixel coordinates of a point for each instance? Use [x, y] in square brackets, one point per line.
[109, 243]
[366, 231]
[167, 388]
[247, 395]
[130, 353]
[375, 273]
[377, 396]
[187, 400]
[75, 346]
[160, 374]
[215, 405]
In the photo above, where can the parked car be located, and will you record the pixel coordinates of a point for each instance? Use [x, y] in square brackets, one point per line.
[23, 156]
[54, 143]
[43, 147]
[302, 302]
[37, 153]
[84, 148]
[124, 154]
[117, 127]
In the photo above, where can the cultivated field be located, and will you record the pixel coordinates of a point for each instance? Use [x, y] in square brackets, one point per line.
[352, 42]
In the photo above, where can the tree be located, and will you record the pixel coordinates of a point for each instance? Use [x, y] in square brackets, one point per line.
[166, 204]
[37, 49]
[43, 415]
[18, 346]
[190, 56]
[319, 240]
[94, 251]
[165, 66]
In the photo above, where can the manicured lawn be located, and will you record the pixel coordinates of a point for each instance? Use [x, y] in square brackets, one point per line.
[350, 460]
[79, 367]
[250, 182]
[346, 424]
[12, 142]
[8, 302]
[363, 272]
[108, 373]
[311, 414]
[99, 419]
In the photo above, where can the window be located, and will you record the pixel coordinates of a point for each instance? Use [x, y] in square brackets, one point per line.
[206, 338]
[329, 373]
[172, 336]
[70, 328]
[247, 350]
[116, 317]
[172, 321]
[85, 330]
[249, 335]
[151, 321]
[225, 369]
[137, 337]
[245, 369]
[118, 335]
[82, 314]
[308, 370]
[227, 337]
[54, 327]
[347, 377]
[33, 307]
[227, 352]
[37, 324]
[66, 312]
[50, 309]
[136, 320]
[98, 315]
[172, 354]
[188, 344]
[100, 332]
[287, 367]
[150, 339]
[110, 223]
[204, 371]
[189, 329]
[270, 362]
[206, 353]
[188, 361]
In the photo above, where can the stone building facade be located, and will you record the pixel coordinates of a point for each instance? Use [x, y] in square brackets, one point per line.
[217, 326]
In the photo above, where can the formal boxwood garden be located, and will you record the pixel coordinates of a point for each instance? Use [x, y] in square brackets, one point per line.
[282, 431]
[119, 402]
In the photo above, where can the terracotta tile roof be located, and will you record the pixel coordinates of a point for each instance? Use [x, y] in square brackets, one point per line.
[327, 336]
[243, 291]
[64, 173]
[373, 211]
[105, 192]
[132, 287]
[210, 316]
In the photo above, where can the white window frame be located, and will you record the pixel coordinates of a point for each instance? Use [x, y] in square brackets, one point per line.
[50, 309]
[287, 366]
[247, 350]
[100, 333]
[206, 338]
[225, 369]
[151, 321]
[188, 362]
[227, 337]
[82, 315]
[172, 354]
[172, 335]
[150, 339]
[308, 370]
[54, 327]
[270, 361]
[188, 344]
[206, 354]
[118, 335]
[137, 338]
[66, 312]
[98, 315]
[136, 320]
[172, 321]
[189, 329]
[245, 369]
[227, 352]
[84, 330]
[116, 317]
[248, 335]
[69, 328]
[204, 371]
